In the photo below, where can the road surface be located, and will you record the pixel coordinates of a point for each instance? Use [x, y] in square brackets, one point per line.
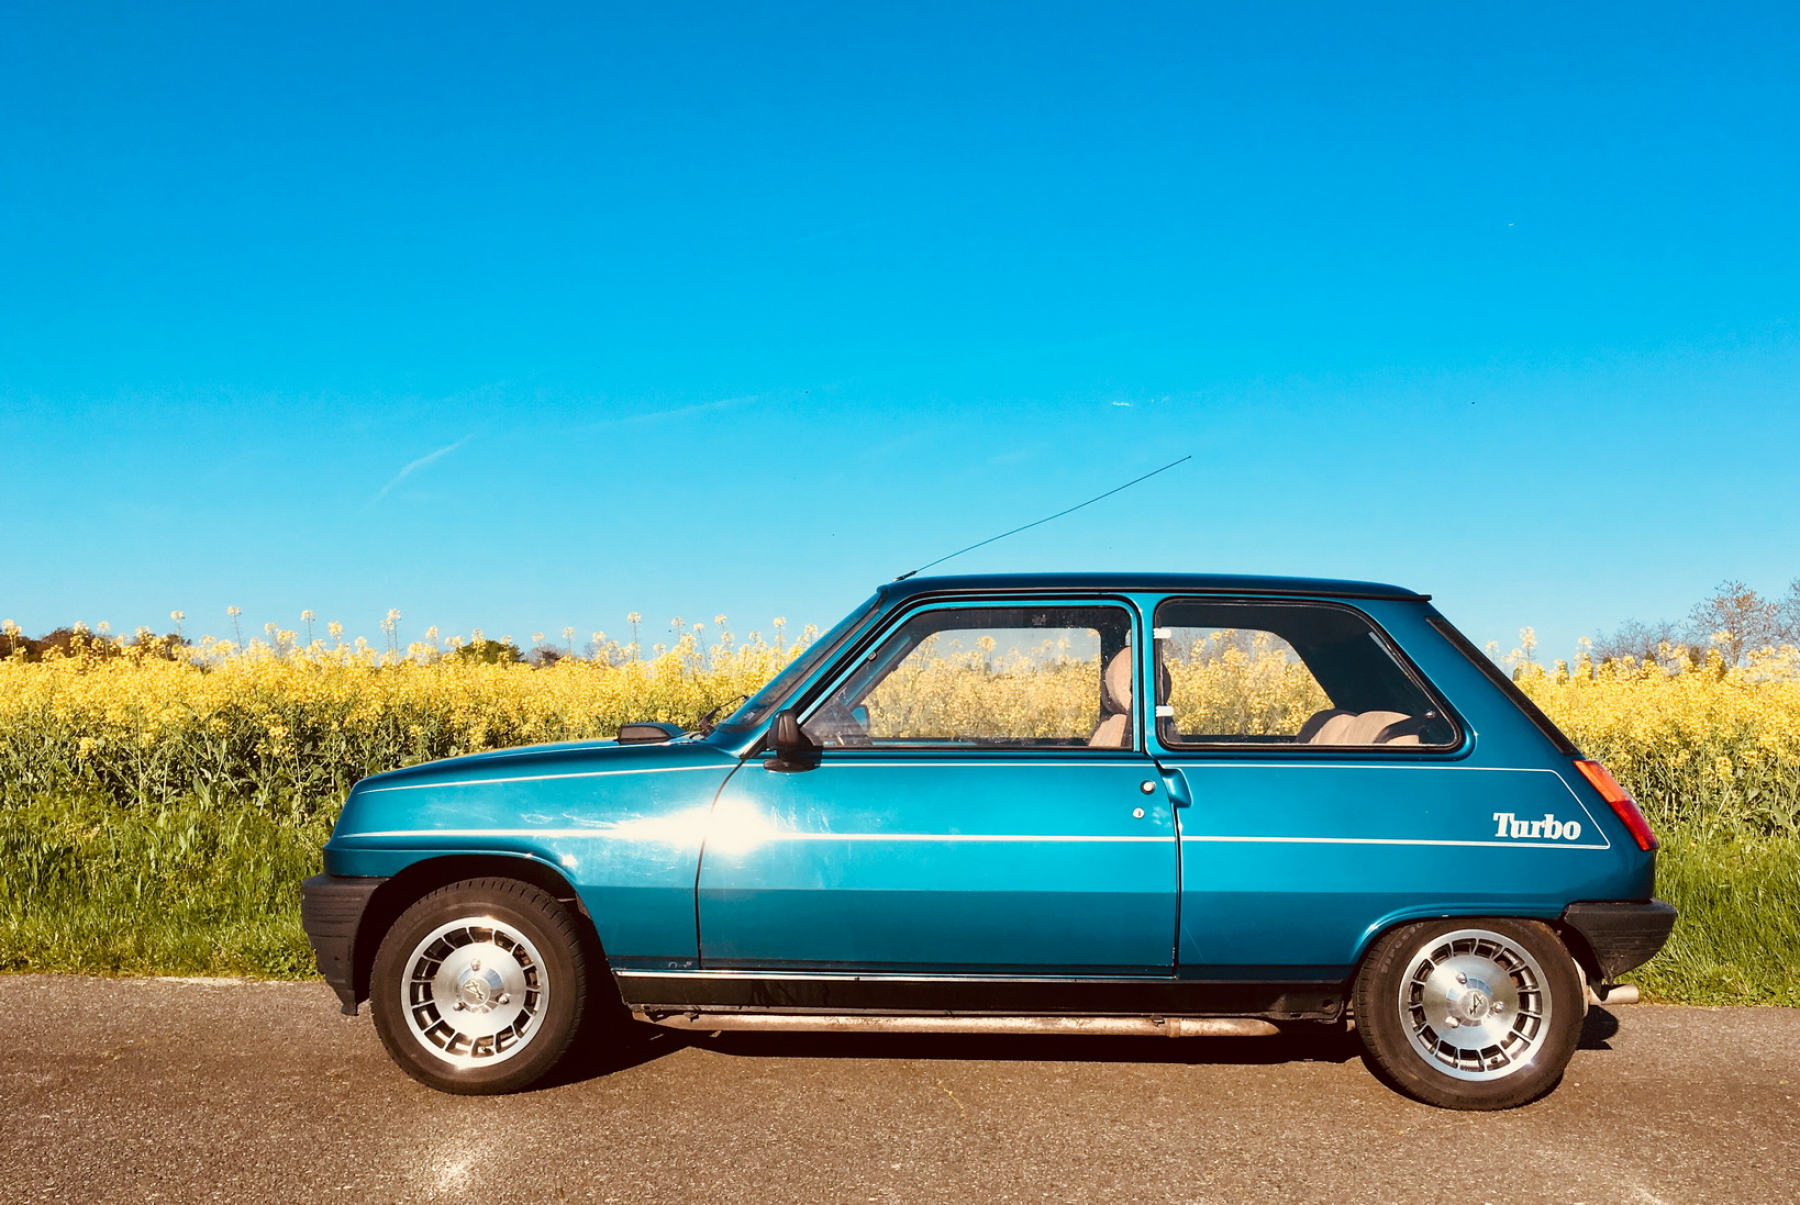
[195, 1091]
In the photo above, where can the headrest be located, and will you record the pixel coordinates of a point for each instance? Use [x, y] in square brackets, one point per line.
[1115, 683]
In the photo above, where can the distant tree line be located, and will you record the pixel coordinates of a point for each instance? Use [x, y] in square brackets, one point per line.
[1736, 620]
[78, 640]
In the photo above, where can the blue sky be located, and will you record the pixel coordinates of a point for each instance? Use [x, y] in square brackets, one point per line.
[526, 320]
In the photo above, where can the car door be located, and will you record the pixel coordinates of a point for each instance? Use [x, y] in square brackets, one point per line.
[1330, 791]
[980, 804]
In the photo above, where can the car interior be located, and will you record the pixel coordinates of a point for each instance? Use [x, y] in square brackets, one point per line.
[1375, 701]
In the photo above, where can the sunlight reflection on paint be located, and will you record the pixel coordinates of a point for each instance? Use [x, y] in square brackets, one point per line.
[732, 826]
[739, 826]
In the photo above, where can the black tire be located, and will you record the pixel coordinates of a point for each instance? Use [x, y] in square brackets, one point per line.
[480, 987]
[1432, 1003]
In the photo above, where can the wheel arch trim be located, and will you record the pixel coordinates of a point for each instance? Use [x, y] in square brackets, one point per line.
[1408, 916]
[411, 884]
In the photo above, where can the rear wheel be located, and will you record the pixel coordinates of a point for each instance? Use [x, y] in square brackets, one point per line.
[1470, 1014]
[480, 987]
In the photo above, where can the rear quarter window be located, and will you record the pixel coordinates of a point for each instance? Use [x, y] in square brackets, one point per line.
[1297, 675]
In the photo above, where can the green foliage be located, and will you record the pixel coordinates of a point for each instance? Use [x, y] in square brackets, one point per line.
[158, 813]
[209, 885]
[1738, 939]
[199, 886]
[488, 652]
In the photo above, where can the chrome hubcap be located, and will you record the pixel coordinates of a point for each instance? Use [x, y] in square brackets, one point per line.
[1475, 1005]
[474, 991]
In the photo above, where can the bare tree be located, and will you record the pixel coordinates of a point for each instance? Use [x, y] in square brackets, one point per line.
[1639, 640]
[1737, 619]
[1787, 618]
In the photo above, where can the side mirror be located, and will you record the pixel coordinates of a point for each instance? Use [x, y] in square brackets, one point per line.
[793, 749]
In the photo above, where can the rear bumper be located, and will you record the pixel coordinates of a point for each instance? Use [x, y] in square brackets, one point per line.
[331, 912]
[1621, 936]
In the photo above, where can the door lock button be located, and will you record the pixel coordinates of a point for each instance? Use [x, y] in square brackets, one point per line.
[1147, 787]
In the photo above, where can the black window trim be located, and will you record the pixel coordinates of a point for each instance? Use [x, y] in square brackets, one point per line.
[827, 656]
[847, 658]
[1500, 678]
[1456, 747]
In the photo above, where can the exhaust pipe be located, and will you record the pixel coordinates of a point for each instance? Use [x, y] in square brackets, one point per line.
[1612, 993]
[1156, 1027]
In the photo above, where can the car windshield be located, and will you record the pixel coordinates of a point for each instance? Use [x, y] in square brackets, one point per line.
[772, 696]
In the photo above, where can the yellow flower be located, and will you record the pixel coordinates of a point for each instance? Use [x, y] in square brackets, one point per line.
[306, 722]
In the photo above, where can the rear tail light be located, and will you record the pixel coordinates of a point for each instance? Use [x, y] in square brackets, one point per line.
[1621, 802]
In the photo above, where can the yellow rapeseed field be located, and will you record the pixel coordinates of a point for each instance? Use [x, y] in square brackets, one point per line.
[160, 804]
[280, 720]
[300, 724]
[1255, 687]
[1700, 743]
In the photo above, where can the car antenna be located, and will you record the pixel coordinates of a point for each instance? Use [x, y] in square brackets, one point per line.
[1059, 514]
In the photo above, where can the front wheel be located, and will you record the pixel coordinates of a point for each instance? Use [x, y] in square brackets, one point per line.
[480, 987]
[1470, 1014]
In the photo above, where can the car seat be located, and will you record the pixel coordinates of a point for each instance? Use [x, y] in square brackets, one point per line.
[1337, 726]
[1114, 729]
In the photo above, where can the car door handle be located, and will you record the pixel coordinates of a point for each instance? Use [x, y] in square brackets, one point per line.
[1175, 783]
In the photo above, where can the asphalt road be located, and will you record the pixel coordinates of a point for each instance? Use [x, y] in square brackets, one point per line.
[194, 1091]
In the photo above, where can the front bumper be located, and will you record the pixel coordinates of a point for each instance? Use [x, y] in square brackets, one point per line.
[1621, 936]
[331, 912]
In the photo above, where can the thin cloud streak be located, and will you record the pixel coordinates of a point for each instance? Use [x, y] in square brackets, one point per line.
[699, 408]
[420, 463]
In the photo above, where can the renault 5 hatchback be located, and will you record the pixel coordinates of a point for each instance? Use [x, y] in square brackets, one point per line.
[1154, 804]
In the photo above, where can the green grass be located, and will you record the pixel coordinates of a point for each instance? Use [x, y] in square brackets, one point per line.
[1738, 939]
[196, 887]
[210, 886]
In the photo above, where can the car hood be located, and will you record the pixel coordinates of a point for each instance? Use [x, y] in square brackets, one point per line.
[562, 758]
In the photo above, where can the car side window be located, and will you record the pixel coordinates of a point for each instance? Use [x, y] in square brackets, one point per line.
[1280, 673]
[1003, 676]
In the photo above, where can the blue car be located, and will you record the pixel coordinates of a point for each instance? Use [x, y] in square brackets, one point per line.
[1159, 804]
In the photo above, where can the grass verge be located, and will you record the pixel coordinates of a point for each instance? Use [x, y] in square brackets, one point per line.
[210, 886]
[197, 886]
[1738, 939]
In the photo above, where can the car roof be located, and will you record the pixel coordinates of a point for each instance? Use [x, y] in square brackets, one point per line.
[1161, 583]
